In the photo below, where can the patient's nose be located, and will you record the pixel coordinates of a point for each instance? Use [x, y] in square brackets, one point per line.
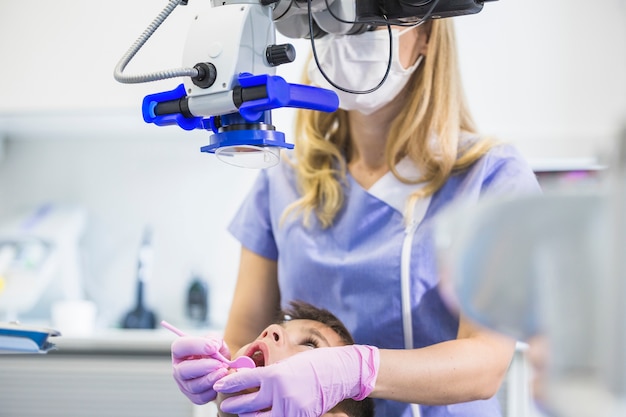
[274, 333]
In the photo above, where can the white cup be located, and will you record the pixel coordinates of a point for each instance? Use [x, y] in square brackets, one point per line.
[74, 318]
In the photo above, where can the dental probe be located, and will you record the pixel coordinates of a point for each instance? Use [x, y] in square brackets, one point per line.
[240, 362]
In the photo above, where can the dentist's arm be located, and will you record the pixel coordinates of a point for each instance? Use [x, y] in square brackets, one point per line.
[468, 368]
[256, 300]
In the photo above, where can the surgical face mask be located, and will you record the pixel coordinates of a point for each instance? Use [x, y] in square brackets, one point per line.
[359, 62]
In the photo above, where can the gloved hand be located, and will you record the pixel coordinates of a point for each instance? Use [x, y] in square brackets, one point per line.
[305, 385]
[195, 371]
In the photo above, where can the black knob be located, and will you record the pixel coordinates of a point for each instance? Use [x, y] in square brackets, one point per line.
[280, 54]
[207, 73]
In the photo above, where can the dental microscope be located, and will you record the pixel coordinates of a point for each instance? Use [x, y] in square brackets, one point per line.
[230, 59]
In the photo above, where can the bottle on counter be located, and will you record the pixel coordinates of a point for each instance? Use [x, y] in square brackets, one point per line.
[141, 317]
[197, 305]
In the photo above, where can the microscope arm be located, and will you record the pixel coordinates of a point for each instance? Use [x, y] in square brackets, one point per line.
[254, 95]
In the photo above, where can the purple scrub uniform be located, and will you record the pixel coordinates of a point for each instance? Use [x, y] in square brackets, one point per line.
[353, 269]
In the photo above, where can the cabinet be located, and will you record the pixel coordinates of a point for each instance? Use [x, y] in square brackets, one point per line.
[121, 376]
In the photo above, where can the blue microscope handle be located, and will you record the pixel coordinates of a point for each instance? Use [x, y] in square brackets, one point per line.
[280, 93]
[268, 92]
[313, 98]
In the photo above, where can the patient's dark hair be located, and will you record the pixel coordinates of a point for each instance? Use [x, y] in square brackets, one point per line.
[300, 310]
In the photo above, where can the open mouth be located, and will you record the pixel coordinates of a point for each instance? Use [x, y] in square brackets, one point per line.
[258, 353]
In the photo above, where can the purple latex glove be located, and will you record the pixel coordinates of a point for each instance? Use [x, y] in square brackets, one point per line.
[305, 385]
[195, 370]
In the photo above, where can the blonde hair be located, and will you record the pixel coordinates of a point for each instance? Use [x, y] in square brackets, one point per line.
[427, 132]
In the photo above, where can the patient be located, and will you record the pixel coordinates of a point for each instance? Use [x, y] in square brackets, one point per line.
[299, 328]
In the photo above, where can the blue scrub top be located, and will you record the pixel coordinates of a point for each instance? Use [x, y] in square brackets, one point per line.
[353, 268]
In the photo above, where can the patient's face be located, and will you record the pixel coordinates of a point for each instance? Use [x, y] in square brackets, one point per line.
[280, 341]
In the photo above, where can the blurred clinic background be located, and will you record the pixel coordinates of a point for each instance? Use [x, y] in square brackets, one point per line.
[100, 211]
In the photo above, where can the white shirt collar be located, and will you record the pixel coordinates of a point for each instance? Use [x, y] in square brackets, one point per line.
[395, 193]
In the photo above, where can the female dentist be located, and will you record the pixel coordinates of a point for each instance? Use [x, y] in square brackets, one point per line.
[346, 225]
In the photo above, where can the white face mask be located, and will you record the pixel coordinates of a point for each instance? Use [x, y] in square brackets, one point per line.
[359, 62]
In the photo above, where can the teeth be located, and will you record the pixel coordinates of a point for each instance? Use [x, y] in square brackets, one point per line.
[257, 357]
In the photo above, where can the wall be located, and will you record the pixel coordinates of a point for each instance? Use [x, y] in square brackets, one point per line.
[187, 197]
[547, 76]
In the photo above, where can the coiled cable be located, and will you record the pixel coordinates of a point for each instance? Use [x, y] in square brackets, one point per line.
[143, 38]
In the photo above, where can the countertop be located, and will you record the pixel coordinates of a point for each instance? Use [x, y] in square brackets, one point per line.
[155, 341]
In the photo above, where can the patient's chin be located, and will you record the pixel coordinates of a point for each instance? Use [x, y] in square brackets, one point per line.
[222, 396]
